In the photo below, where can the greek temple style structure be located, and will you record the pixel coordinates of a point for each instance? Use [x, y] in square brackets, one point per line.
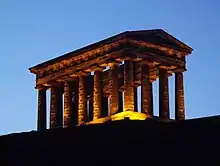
[99, 82]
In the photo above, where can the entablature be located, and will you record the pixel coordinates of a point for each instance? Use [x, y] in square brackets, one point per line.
[102, 62]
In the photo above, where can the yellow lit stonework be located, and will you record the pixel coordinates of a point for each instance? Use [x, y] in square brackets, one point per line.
[120, 116]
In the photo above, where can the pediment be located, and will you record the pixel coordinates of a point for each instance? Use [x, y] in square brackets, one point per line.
[160, 37]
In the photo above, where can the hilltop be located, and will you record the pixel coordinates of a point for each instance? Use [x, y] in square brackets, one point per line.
[117, 143]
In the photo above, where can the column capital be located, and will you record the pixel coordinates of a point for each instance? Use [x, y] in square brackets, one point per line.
[98, 70]
[41, 87]
[170, 69]
[82, 73]
[66, 82]
[161, 66]
[113, 65]
[165, 69]
[179, 70]
[152, 80]
[98, 67]
[56, 84]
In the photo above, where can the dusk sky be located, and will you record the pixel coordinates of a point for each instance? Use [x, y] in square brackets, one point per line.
[35, 31]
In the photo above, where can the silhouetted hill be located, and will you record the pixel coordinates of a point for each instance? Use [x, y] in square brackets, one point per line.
[118, 143]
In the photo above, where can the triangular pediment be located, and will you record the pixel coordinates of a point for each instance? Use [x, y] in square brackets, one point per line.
[159, 37]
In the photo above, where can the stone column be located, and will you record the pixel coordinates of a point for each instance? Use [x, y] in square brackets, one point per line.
[114, 90]
[128, 86]
[42, 110]
[135, 68]
[179, 97]
[151, 104]
[56, 111]
[90, 96]
[97, 100]
[53, 108]
[120, 102]
[90, 109]
[120, 92]
[163, 94]
[104, 106]
[68, 113]
[135, 100]
[75, 100]
[60, 107]
[146, 91]
[82, 101]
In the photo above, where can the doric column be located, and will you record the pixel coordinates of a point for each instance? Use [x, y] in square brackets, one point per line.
[75, 100]
[135, 69]
[53, 108]
[104, 106]
[90, 92]
[60, 107]
[179, 97]
[56, 108]
[128, 86]
[91, 109]
[135, 100]
[120, 91]
[163, 94]
[82, 100]
[151, 105]
[146, 91]
[97, 96]
[42, 109]
[120, 102]
[114, 90]
[68, 113]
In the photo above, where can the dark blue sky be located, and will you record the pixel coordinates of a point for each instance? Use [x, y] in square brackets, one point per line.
[34, 31]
